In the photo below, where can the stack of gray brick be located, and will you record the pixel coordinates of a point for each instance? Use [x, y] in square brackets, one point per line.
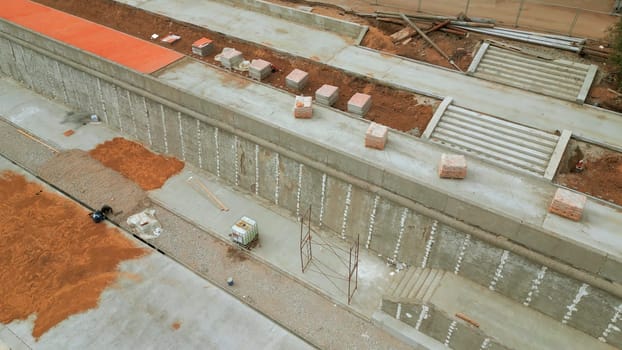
[327, 95]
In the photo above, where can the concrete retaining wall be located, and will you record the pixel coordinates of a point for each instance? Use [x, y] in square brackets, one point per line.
[451, 331]
[353, 30]
[280, 168]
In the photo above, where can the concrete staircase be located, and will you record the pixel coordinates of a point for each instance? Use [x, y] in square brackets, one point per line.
[416, 284]
[500, 141]
[461, 314]
[557, 78]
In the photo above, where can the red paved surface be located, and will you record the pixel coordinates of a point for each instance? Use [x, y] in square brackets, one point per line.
[137, 54]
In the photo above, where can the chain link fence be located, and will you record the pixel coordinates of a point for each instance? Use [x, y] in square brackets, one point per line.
[584, 18]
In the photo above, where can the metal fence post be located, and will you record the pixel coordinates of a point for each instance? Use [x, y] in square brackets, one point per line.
[419, 6]
[466, 8]
[520, 9]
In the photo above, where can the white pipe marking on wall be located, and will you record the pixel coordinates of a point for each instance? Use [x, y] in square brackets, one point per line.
[237, 161]
[422, 316]
[450, 332]
[535, 285]
[612, 324]
[583, 291]
[322, 198]
[90, 98]
[164, 129]
[277, 174]
[429, 244]
[299, 190]
[62, 81]
[199, 151]
[132, 117]
[400, 234]
[217, 152]
[346, 210]
[499, 272]
[463, 247]
[372, 221]
[181, 137]
[116, 94]
[256, 169]
[148, 122]
[101, 100]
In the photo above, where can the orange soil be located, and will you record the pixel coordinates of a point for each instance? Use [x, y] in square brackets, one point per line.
[54, 261]
[601, 178]
[148, 170]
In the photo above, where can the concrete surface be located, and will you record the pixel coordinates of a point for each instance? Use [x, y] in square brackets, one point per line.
[266, 30]
[139, 312]
[535, 110]
[514, 326]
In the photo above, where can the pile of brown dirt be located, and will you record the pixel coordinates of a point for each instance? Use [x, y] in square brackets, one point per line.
[602, 177]
[388, 104]
[54, 261]
[147, 169]
[81, 176]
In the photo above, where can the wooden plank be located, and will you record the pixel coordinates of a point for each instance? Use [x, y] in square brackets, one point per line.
[557, 155]
[424, 36]
[402, 34]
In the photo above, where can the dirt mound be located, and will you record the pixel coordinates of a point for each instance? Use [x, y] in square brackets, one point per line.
[78, 174]
[147, 169]
[602, 176]
[54, 261]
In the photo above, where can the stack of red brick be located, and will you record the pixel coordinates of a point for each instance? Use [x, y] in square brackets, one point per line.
[568, 204]
[376, 136]
[303, 107]
[452, 166]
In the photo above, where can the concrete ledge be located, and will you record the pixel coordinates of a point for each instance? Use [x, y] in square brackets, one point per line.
[587, 83]
[330, 24]
[404, 332]
[557, 155]
[478, 58]
[436, 117]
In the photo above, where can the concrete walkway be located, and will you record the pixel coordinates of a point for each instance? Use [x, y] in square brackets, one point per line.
[513, 104]
[140, 311]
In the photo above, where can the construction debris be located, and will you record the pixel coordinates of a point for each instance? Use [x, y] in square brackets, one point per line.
[557, 41]
[170, 39]
[145, 224]
[202, 189]
[230, 58]
[244, 232]
[424, 36]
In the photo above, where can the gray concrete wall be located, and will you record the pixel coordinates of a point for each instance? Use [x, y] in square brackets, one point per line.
[451, 331]
[345, 28]
[214, 138]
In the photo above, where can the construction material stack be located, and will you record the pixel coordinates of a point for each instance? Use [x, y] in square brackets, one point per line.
[376, 136]
[259, 69]
[452, 166]
[568, 204]
[202, 47]
[303, 107]
[327, 95]
[231, 58]
[297, 79]
[244, 232]
[359, 104]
